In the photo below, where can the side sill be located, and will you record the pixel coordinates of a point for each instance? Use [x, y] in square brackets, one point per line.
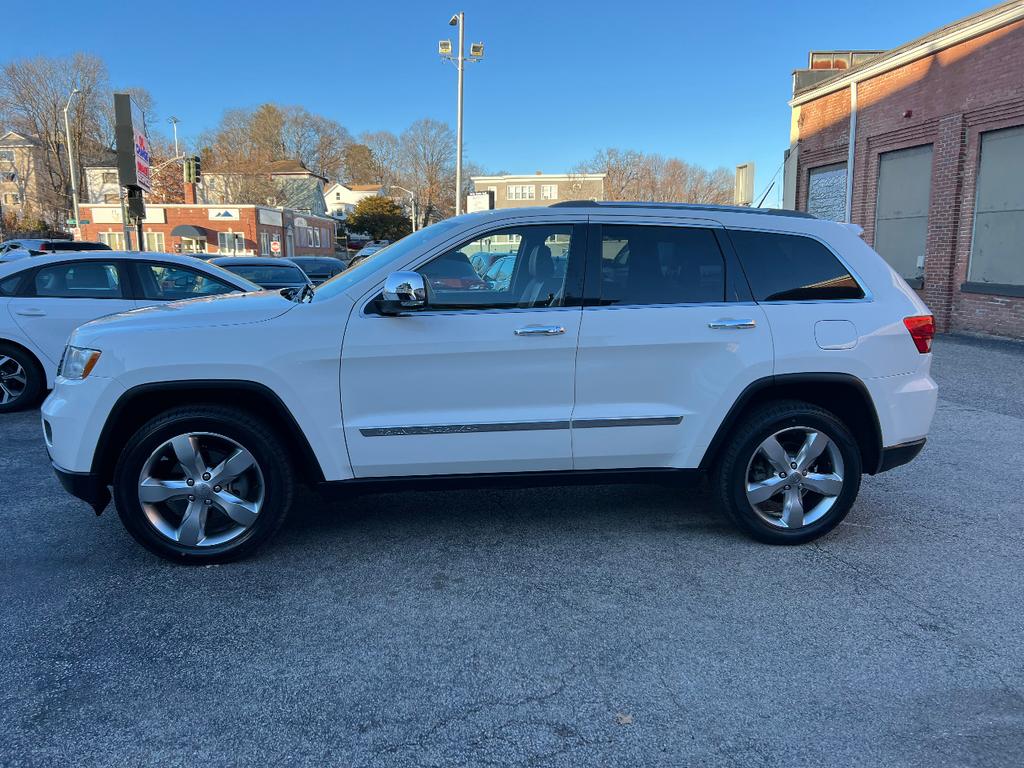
[545, 479]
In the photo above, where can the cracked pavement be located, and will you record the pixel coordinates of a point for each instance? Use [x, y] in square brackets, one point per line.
[618, 625]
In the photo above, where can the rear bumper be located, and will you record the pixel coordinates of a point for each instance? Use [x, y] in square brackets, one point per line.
[86, 486]
[898, 455]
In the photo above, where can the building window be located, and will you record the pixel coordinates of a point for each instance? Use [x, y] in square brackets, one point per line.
[264, 244]
[231, 242]
[996, 255]
[337, 195]
[12, 199]
[109, 177]
[154, 241]
[548, 191]
[901, 209]
[520, 192]
[316, 236]
[826, 192]
[114, 239]
[7, 155]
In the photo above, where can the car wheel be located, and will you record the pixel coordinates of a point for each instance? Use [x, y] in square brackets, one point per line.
[203, 484]
[21, 379]
[790, 473]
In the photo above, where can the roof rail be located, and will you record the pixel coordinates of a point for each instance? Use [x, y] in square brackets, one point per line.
[681, 207]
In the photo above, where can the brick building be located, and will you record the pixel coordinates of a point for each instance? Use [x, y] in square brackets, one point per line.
[935, 173]
[228, 229]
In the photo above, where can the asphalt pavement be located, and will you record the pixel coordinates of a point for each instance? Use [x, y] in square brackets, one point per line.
[612, 626]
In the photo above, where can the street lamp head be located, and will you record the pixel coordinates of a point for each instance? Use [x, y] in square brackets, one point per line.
[476, 50]
[454, 20]
[444, 47]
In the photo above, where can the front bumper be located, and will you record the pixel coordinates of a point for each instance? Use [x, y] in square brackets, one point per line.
[86, 486]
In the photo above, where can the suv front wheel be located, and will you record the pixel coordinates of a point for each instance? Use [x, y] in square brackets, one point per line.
[790, 473]
[203, 484]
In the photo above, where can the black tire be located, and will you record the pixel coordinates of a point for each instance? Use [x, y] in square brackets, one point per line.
[35, 379]
[729, 479]
[238, 425]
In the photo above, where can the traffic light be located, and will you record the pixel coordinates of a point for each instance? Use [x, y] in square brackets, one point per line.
[193, 170]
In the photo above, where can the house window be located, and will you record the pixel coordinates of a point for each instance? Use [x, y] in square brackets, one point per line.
[996, 255]
[826, 192]
[316, 236]
[520, 192]
[154, 241]
[12, 199]
[265, 244]
[337, 195]
[231, 242]
[7, 155]
[111, 198]
[114, 239]
[548, 191]
[901, 213]
[109, 177]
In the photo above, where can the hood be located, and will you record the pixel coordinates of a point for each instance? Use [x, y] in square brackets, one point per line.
[226, 309]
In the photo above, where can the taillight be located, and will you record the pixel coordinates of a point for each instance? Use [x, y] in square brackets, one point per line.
[922, 331]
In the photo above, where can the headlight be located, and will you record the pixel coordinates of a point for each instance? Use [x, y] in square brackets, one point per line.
[78, 362]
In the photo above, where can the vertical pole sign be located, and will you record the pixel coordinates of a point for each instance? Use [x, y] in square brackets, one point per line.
[133, 160]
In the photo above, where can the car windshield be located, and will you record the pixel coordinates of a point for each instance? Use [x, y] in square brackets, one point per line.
[395, 252]
[270, 273]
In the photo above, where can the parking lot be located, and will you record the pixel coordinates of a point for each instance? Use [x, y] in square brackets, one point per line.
[619, 625]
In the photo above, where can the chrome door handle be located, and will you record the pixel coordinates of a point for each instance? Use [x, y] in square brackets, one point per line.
[729, 323]
[30, 312]
[540, 330]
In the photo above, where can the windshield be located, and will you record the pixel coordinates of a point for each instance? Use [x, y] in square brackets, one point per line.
[270, 273]
[395, 252]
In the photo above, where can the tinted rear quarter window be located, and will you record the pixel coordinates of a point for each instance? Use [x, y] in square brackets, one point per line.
[783, 267]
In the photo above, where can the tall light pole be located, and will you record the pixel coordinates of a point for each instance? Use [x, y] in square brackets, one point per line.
[412, 201]
[476, 52]
[174, 126]
[71, 157]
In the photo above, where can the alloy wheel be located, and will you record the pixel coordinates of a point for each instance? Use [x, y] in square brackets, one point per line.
[794, 477]
[201, 489]
[13, 380]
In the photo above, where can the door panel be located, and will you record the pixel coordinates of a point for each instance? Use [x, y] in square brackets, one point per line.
[69, 294]
[662, 375]
[482, 381]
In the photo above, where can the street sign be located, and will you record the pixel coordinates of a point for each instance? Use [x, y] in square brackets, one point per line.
[83, 222]
[275, 246]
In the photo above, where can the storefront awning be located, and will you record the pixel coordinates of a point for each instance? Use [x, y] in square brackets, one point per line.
[187, 230]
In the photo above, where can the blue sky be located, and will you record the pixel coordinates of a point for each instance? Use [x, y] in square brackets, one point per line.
[707, 82]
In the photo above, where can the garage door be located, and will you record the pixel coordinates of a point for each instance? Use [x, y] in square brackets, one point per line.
[901, 213]
[997, 256]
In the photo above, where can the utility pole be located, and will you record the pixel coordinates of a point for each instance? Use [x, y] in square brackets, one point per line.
[71, 157]
[174, 126]
[476, 52]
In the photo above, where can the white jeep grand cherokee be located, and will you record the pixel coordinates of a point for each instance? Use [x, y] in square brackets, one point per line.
[774, 351]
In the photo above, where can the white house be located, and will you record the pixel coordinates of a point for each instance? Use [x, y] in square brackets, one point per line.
[341, 199]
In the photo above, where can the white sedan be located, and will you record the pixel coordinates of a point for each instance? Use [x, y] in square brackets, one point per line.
[44, 298]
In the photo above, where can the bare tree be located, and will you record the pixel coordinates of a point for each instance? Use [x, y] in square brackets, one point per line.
[428, 161]
[33, 93]
[633, 175]
[385, 156]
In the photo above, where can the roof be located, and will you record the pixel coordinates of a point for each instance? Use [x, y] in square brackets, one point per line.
[291, 166]
[13, 139]
[958, 31]
[541, 177]
[365, 187]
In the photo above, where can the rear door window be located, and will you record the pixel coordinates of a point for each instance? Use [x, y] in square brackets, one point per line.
[79, 280]
[784, 267]
[660, 265]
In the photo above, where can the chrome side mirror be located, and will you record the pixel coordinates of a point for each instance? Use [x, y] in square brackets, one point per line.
[403, 290]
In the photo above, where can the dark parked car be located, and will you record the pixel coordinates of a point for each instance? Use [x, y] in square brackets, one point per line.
[267, 272]
[17, 249]
[319, 268]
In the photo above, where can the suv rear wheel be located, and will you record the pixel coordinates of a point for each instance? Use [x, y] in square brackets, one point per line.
[203, 484]
[790, 473]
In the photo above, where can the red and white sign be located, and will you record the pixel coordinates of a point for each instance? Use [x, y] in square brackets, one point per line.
[275, 246]
[142, 157]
